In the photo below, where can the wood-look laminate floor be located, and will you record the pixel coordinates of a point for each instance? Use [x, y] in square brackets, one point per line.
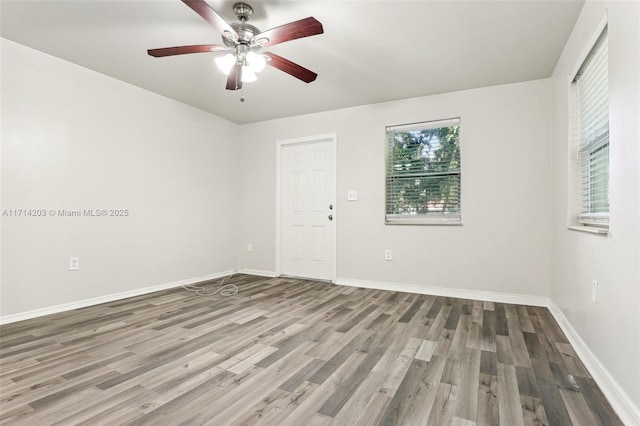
[296, 352]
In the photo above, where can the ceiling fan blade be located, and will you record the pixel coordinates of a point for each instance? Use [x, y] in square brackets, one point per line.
[183, 50]
[291, 31]
[234, 81]
[291, 68]
[203, 9]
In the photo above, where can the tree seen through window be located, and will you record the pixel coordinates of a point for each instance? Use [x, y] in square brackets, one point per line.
[423, 172]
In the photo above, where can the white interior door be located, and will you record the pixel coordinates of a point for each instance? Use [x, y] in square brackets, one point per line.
[307, 206]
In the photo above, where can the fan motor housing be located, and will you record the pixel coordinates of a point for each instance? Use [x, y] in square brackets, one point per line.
[246, 33]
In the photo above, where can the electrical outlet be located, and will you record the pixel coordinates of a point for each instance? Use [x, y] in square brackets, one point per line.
[352, 195]
[74, 263]
[249, 248]
[388, 255]
[594, 291]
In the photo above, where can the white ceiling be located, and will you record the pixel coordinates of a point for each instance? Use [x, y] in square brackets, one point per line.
[371, 51]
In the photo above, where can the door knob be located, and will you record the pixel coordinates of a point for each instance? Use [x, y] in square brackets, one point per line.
[330, 217]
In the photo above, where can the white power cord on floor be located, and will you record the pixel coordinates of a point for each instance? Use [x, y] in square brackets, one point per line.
[223, 290]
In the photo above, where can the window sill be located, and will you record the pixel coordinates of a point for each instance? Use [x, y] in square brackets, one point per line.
[422, 223]
[589, 229]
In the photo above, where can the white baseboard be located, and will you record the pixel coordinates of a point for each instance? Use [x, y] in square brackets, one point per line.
[490, 296]
[623, 405]
[257, 272]
[104, 299]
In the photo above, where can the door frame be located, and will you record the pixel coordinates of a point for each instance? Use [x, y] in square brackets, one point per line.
[332, 138]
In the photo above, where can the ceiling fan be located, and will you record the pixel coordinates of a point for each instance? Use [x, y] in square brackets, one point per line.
[244, 43]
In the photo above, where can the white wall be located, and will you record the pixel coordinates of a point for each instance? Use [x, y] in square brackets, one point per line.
[610, 328]
[504, 244]
[76, 139]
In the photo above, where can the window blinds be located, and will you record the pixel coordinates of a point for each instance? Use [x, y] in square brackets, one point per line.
[423, 173]
[593, 135]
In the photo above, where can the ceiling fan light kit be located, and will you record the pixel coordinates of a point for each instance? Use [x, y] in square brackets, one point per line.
[243, 42]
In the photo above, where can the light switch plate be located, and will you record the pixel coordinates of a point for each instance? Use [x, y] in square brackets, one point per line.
[74, 263]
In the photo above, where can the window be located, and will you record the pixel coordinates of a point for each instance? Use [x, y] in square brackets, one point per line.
[423, 173]
[591, 136]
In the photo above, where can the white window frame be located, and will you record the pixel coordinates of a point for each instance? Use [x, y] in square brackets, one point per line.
[430, 218]
[585, 150]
